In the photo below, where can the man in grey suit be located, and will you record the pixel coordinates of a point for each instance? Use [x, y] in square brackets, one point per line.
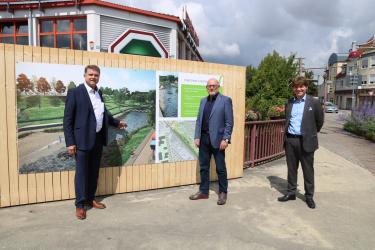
[304, 119]
[213, 132]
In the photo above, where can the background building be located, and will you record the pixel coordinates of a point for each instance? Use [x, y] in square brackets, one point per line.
[96, 25]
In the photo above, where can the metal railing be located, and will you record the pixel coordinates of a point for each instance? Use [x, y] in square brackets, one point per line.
[263, 141]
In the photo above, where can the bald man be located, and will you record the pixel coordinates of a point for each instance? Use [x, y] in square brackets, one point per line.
[213, 132]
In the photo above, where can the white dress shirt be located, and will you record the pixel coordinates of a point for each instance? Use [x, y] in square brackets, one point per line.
[98, 106]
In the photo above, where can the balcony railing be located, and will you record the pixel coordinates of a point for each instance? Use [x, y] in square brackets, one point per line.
[263, 141]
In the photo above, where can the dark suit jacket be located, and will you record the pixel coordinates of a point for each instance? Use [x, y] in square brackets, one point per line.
[312, 122]
[80, 122]
[220, 120]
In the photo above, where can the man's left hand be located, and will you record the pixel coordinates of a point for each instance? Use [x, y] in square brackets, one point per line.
[223, 145]
[122, 125]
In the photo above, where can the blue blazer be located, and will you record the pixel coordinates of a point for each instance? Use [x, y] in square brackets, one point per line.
[220, 120]
[80, 122]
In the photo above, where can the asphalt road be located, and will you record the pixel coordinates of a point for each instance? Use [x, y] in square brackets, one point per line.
[352, 147]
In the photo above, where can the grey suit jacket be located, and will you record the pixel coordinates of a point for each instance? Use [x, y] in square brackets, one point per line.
[220, 120]
[312, 122]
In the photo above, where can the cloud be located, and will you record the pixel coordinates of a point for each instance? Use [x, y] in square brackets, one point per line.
[243, 32]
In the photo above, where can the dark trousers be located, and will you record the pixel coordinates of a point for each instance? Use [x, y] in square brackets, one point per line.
[295, 155]
[87, 172]
[205, 152]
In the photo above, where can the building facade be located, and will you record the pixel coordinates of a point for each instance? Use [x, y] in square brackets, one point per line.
[353, 75]
[95, 25]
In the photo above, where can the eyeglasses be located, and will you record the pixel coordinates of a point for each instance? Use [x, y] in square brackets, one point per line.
[212, 86]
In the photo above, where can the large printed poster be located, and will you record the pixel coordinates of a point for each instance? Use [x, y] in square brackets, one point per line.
[159, 108]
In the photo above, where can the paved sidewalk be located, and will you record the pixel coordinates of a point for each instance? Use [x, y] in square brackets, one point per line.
[252, 218]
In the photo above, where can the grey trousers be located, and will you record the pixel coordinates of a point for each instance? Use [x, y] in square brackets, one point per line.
[295, 155]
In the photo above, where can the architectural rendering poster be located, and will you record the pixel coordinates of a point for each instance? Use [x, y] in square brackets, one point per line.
[178, 99]
[159, 109]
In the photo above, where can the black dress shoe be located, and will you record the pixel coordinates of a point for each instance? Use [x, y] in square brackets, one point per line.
[198, 196]
[222, 198]
[310, 203]
[287, 197]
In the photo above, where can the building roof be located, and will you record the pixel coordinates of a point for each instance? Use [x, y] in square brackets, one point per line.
[26, 5]
[335, 58]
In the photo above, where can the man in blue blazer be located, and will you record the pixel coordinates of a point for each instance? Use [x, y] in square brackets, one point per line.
[86, 123]
[213, 132]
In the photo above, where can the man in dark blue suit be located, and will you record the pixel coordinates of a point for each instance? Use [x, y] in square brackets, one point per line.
[86, 123]
[213, 132]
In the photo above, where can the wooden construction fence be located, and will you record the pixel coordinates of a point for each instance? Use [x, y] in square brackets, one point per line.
[18, 189]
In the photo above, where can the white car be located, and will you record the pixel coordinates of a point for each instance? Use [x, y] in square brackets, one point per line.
[329, 107]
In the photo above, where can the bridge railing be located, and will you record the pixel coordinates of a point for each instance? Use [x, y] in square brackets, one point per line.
[263, 141]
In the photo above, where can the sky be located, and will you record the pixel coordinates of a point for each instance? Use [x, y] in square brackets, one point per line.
[134, 80]
[242, 32]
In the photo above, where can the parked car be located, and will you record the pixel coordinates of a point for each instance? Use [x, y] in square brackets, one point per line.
[329, 107]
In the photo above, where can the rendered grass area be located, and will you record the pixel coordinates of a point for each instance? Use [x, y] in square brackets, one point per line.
[133, 143]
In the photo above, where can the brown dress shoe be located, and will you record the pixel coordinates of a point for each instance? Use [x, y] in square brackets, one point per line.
[96, 204]
[198, 196]
[80, 213]
[222, 198]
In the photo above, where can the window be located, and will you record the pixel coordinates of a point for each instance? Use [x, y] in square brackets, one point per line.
[365, 63]
[364, 80]
[373, 61]
[372, 79]
[67, 33]
[15, 32]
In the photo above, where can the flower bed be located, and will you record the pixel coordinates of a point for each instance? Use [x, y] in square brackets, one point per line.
[362, 122]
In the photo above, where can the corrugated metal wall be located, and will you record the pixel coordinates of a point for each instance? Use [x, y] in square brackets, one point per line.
[111, 28]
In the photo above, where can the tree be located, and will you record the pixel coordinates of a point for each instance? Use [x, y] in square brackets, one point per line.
[312, 87]
[43, 85]
[60, 87]
[269, 85]
[24, 84]
[71, 85]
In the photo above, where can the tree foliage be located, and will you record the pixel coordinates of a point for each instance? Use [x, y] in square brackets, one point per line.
[71, 85]
[24, 84]
[43, 85]
[60, 87]
[269, 85]
[312, 87]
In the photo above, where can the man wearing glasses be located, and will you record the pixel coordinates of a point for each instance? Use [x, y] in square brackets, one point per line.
[213, 132]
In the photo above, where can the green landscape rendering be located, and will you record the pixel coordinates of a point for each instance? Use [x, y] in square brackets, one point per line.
[129, 95]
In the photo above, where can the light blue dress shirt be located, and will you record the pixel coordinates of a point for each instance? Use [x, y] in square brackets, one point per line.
[296, 116]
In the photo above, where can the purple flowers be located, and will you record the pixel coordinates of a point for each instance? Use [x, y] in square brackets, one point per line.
[362, 121]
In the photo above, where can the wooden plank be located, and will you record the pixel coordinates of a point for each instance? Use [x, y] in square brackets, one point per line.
[56, 180]
[154, 176]
[116, 180]
[72, 193]
[22, 178]
[148, 176]
[12, 124]
[172, 174]
[40, 187]
[166, 175]
[135, 178]
[129, 178]
[160, 176]
[31, 188]
[123, 179]
[101, 190]
[108, 180]
[24, 197]
[65, 191]
[142, 177]
[48, 185]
